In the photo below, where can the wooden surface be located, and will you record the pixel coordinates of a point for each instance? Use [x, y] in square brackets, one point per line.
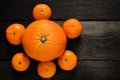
[62, 9]
[98, 48]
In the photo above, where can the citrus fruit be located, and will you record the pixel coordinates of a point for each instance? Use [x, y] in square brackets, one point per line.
[68, 60]
[20, 62]
[44, 40]
[72, 28]
[41, 11]
[46, 69]
[14, 33]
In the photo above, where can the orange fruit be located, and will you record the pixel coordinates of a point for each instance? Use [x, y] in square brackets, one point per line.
[41, 11]
[46, 69]
[68, 60]
[20, 62]
[72, 28]
[14, 33]
[44, 40]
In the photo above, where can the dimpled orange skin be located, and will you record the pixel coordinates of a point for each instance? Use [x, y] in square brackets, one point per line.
[20, 62]
[68, 60]
[44, 40]
[14, 33]
[41, 11]
[46, 69]
[72, 28]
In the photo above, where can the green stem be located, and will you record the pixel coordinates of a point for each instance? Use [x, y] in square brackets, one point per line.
[43, 39]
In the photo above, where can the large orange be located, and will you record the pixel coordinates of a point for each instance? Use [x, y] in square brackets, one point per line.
[44, 40]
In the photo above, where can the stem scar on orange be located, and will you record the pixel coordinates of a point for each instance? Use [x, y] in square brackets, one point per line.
[46, 69]
[41, 11]
[44, 40]
[14, 33]
[72, 28]
[20, 62]
[68, 60]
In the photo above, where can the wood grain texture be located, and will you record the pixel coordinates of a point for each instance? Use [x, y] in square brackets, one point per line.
[100, 40]
[85, 70]
[62, 9]
[97, 49]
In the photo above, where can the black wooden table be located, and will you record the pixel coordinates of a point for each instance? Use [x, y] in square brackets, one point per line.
[98, 48]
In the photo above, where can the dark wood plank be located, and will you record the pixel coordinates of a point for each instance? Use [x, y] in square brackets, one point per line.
[100, 40]
[85, 70]
[62, 9]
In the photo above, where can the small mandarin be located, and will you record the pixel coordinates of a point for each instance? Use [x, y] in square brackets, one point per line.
[14, 33]
[20, 62]
[41, 11]
[72, 28]
[68, 60]
[46, 69]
